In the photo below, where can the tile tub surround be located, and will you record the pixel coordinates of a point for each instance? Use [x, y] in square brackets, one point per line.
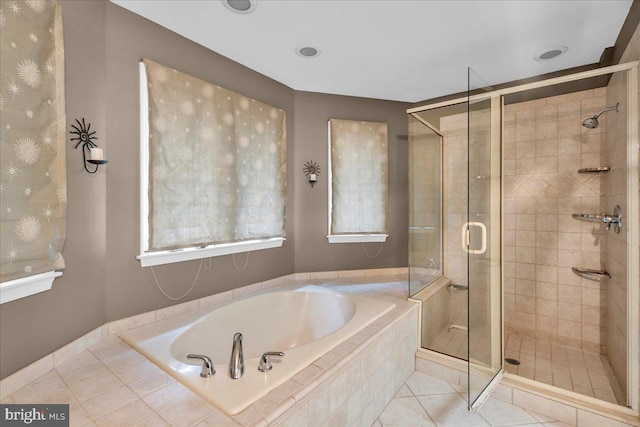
[110, 380]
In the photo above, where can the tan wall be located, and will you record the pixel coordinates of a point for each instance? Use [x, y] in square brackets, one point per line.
[544, 146]
[34, 326]
[103, 281]
[313, 251]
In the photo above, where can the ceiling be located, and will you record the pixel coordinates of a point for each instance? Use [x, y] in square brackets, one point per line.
[395, 49]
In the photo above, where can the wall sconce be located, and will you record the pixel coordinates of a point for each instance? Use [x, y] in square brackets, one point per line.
[312, 170]
[86, 138]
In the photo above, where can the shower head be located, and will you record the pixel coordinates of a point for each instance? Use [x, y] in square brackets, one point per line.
[592, 122]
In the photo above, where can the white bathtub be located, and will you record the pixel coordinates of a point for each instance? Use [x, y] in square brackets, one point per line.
[303, 321]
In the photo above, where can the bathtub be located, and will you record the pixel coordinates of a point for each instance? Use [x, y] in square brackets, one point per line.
[303, 321]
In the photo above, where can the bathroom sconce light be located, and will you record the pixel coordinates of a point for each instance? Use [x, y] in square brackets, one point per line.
[312, 170]
[86, 138]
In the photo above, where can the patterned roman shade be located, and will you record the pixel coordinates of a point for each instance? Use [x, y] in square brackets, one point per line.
[359, 177]
[33, 182]
[217, 163]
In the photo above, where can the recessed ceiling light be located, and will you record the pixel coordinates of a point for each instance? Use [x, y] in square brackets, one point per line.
[547, 54]
[241, 6]
[307, 51]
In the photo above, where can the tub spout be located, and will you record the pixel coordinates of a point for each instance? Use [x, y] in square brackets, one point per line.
[236, 363]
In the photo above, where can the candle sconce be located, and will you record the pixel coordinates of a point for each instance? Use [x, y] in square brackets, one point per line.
[312, 170]
[86, 138]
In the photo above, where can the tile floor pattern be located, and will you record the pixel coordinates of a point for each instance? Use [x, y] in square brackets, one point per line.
[565, 367]
[427, 401]
[451, 341]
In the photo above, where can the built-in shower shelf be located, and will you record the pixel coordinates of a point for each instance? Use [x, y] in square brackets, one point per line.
[588, 217]
[595, 170]
[591, 274]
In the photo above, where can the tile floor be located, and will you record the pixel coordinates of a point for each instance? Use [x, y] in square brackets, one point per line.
[427, 401]
[566, 367]
[451, 341]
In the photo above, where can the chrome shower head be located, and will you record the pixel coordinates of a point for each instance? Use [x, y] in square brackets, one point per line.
[592, 122]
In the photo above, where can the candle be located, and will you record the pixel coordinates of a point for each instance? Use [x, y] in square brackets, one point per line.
[313, 177]
[95, 154]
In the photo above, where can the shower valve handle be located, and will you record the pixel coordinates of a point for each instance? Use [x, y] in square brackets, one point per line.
[615, 219]
[207, 365]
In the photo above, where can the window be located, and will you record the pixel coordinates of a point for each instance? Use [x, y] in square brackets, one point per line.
[358, 189]
[213, 169]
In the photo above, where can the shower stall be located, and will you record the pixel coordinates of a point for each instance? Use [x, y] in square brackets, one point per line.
[523, 234]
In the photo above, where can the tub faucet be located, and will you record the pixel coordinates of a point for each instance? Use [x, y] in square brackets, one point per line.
[236, 363]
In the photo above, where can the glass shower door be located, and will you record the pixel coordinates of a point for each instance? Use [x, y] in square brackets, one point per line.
[481, 241]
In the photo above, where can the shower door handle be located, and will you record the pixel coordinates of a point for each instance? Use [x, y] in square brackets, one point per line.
[466, 238]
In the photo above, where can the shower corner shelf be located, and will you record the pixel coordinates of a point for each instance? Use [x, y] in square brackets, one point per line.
[595, 170]
[590, 274]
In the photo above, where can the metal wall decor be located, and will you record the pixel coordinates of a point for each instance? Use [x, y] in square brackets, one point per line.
[86, 138]
[312, 170]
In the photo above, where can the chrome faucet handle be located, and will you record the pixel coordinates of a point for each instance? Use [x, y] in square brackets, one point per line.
[207, 365]
[265, 363]
[615, 219]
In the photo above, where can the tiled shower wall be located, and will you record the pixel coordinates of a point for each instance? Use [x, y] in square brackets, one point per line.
[616, 260]
[544, 145]
[632, 53]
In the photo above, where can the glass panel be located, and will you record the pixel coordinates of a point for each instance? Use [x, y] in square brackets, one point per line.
[482, 237]
[438, 168]
[425, 205]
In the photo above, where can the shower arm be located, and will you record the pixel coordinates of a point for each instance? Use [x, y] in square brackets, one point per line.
[612, 108]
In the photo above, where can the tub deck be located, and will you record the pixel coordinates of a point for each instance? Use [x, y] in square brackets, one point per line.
[265, 322]
[112, 384]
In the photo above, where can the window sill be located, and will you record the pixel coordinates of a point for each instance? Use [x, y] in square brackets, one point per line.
[26, 286]
[167, 257]
[357, 238]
